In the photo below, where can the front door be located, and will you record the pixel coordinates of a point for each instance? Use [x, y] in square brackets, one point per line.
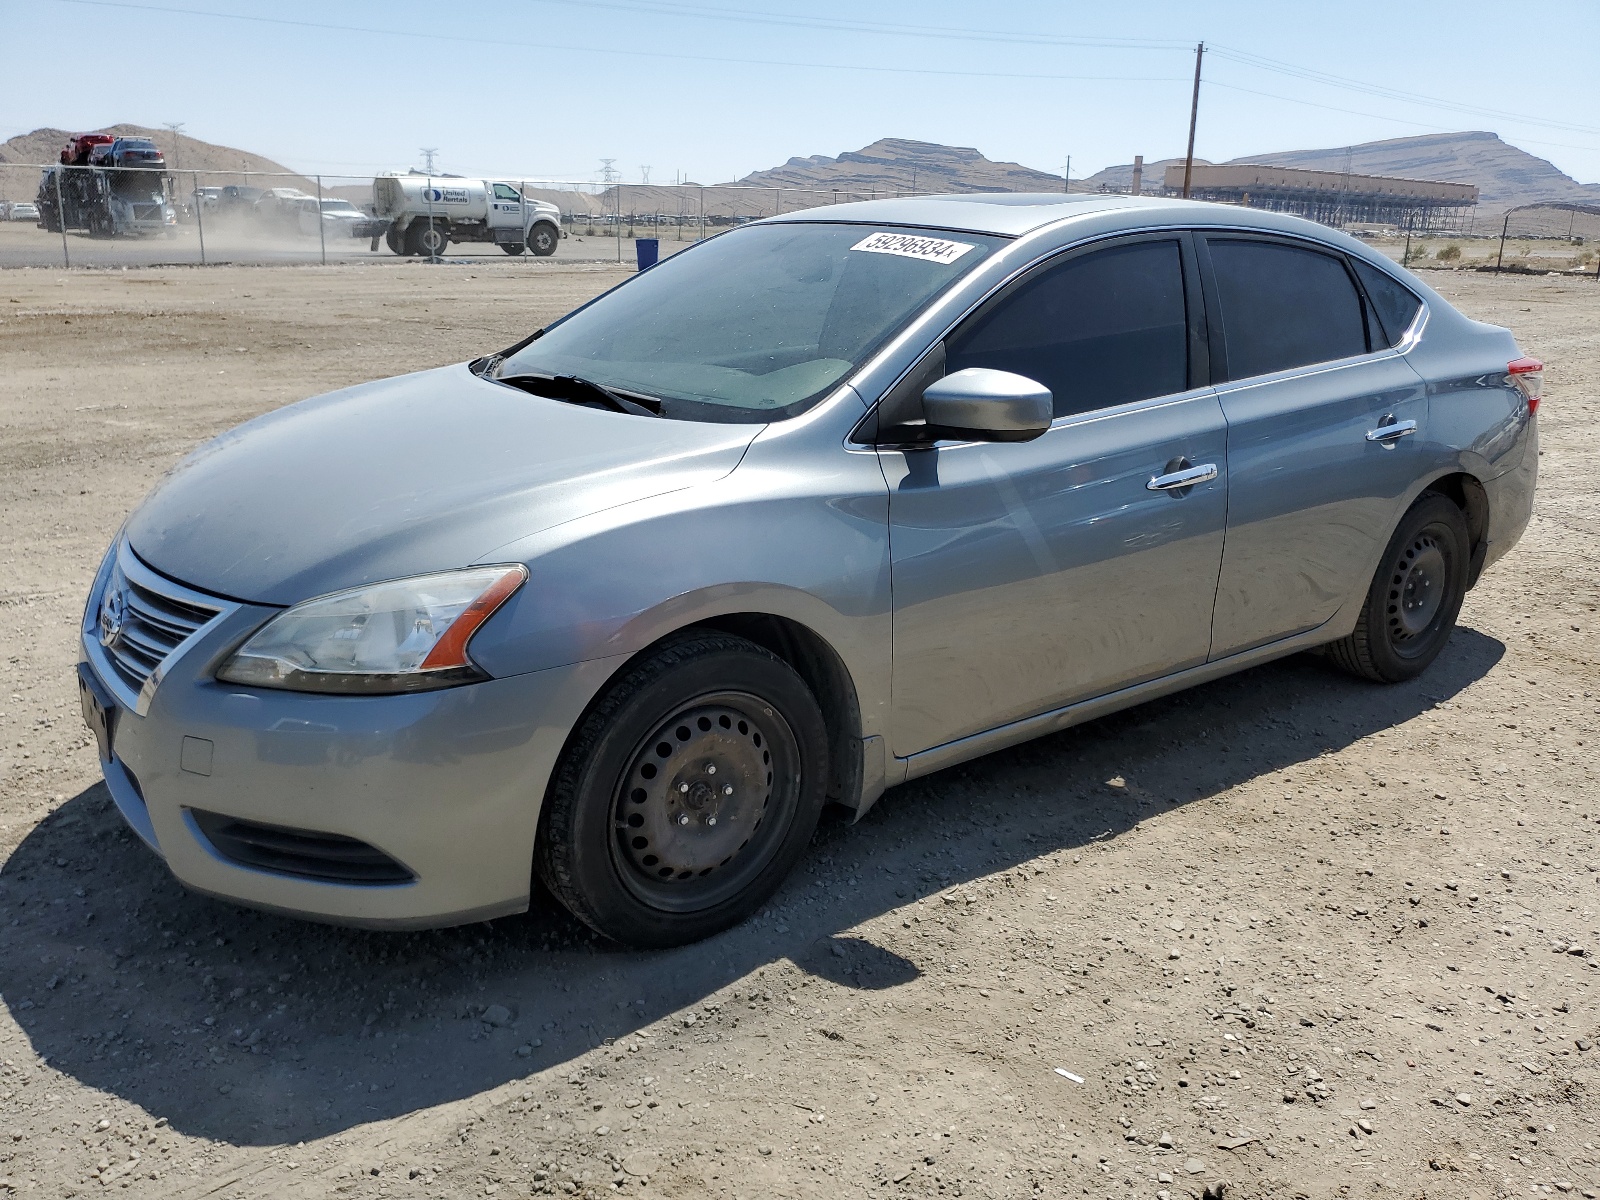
[1030, 575]
[505, 207]
[1322, 445]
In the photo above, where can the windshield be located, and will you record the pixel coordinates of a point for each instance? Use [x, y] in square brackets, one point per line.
[757, 324]
[339, 206]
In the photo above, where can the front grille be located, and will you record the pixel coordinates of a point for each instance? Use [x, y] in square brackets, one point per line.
[328, 857]
[142, 620]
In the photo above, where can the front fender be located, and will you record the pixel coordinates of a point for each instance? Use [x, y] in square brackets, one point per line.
[753, 542]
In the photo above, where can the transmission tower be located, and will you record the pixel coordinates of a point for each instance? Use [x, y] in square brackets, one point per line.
[644, 174]
[427, 153]
[608, 170]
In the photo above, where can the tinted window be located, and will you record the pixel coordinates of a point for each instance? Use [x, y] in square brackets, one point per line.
[1284, 307]
[1396, 306]
[1107, 328]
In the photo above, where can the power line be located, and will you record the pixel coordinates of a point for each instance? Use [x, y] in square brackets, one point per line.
[435, 37]
[855, 25]
[1261, 62]
[1233, 87]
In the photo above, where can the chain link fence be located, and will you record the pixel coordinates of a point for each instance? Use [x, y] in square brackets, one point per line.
[56, 215]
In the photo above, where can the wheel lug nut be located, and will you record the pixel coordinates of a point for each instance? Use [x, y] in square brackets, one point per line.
[683, 818]
[711, 820]
[711, 768]
[684, 788]
[727, 789]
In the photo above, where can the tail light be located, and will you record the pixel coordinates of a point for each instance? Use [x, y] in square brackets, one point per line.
[1527, 376]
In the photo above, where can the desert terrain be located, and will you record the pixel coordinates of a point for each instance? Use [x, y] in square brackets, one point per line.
[1285, 935]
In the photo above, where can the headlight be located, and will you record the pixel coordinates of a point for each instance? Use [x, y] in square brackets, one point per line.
[408, 635]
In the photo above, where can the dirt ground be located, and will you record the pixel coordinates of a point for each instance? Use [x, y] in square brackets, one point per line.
[1287, 933]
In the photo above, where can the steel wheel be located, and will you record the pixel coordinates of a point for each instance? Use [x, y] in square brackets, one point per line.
[1411, 606]
[544, 239]
[690, 811]
[687, 792]
[1416, 591]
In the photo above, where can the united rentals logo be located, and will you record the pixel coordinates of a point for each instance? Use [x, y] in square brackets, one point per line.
[113, 612]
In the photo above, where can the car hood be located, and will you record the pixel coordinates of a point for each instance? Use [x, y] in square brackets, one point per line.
[419, 473]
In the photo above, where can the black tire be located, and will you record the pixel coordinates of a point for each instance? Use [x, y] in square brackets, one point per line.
[1415, 597]
[512, 248]
[543, 239]
[428, 238]
[391, 238]
[644, 764]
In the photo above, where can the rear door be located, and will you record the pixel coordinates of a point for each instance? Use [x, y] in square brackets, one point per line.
[1322, 424]
[1029, 575]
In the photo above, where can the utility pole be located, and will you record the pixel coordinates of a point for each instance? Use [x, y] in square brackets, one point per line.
[175, 128]
[1066, 179]
[1194, 113]
[427, 153]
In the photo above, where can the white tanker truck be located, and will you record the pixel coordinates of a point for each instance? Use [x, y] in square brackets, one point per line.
[427, 213]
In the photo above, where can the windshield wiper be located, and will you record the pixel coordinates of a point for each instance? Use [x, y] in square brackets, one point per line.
[574, 389]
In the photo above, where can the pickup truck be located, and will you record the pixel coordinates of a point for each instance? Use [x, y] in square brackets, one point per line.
[427, 213]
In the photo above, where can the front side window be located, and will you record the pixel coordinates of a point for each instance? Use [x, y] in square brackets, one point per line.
[1284, 306]
[504, 191]
[1104, 328]
[759, 323]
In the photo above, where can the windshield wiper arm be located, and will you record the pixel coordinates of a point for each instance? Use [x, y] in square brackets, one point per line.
[574, 389]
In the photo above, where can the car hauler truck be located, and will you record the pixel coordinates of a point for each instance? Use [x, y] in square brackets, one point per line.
[109, 187]
[430, 212]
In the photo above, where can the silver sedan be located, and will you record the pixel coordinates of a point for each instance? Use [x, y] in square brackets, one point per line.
[818, 506]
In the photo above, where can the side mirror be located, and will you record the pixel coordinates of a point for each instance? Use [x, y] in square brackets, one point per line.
[988, 406]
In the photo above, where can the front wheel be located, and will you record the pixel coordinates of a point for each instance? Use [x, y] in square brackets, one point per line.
[686, 794]
[1411, 607]
[543, 238]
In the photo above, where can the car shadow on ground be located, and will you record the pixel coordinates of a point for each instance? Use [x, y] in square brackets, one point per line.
[253, 1029]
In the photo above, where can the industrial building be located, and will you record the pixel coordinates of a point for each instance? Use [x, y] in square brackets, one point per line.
[1331, 197]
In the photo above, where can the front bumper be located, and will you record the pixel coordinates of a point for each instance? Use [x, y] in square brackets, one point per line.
[447, 783]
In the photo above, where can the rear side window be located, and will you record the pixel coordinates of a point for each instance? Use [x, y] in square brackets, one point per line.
[1106, 328]
[1283, 306]
[1394, 303]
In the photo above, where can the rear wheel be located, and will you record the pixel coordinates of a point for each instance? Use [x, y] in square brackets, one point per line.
[428, 237]
[1411, 607]
[512, 248]
[686, 794]
[543, 239]
[392, 240]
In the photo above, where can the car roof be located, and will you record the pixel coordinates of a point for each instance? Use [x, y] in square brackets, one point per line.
[1013, 214]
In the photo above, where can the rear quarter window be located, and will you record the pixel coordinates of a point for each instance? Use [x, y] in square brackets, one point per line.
[1393, 303]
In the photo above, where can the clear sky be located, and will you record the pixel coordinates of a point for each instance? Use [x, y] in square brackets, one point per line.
[715, 89]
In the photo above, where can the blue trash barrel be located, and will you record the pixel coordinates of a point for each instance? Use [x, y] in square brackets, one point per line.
[649, 250]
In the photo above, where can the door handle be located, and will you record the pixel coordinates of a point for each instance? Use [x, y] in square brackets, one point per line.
[1187, 477]
[1391, 432]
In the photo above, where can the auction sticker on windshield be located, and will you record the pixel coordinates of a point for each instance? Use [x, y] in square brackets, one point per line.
[910, 245]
